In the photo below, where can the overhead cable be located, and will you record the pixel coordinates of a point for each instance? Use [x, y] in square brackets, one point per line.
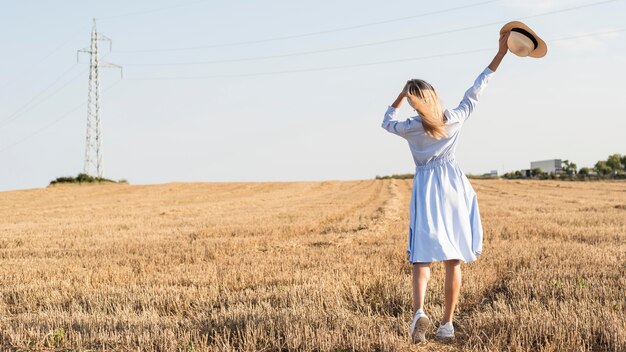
[366, 44]
[350, 47]
[327, 68]
[65, 115]
[137, 13]
[43, 59]
[28, 106]
[309, 34]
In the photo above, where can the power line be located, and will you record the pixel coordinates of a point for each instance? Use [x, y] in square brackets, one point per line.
[327, 68]
[27, 107]
[310, 34]
[95, 63]
[293, 71]
[322, 68]
[93, 145]
[356, 46]
[137, 13]
[303, 53]
[29, 69]
[65, 115]
[588, 35]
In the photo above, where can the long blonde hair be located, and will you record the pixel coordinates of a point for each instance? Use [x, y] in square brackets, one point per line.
[432, 116]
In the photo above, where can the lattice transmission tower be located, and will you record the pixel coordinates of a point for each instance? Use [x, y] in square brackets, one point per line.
[93, 146]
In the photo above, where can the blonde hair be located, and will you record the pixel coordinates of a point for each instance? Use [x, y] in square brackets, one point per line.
[432, 116]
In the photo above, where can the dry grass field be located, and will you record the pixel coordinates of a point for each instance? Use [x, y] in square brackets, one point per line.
[303, 266]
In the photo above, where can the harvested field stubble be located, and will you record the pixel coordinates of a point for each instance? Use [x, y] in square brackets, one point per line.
[304, 266]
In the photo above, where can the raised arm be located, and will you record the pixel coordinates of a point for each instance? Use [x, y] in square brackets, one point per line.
[396, 103]
[472, 95]
[389, 120]
[502, 50]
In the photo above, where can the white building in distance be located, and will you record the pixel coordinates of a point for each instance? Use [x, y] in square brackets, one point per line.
[548, 166]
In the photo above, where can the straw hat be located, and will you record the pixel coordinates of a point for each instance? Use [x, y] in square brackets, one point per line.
[523, 41]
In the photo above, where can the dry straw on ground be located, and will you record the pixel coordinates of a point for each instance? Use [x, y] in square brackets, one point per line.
[303, 266]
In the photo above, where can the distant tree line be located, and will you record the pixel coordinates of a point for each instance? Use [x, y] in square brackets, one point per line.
[614, 167]
[395, 176]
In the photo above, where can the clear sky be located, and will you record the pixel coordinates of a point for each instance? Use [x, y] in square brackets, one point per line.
[249, 120]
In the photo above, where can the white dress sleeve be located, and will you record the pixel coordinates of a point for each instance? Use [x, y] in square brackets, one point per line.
[401, 128]
[470, 99]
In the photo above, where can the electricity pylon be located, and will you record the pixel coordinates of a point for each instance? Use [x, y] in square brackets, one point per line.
[93, 146]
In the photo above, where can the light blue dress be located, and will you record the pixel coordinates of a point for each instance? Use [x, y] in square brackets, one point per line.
[444, 216]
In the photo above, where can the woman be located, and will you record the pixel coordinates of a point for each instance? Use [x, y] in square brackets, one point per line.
[444, 217]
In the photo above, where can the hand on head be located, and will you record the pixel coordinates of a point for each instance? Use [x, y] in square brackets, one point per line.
[405, 89]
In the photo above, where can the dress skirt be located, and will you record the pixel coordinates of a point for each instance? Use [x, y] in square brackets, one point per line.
[444, 216]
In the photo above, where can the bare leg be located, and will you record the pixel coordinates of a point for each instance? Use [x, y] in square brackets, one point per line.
[452, 288]
[421, 276]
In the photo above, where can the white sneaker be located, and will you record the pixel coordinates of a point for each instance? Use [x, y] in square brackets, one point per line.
[419, 325]
[445, 331]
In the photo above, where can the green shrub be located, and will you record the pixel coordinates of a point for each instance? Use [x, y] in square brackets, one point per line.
[84, 178]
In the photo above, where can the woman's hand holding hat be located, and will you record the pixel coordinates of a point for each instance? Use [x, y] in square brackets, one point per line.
[503, 45]
[523, 41]
[503, 48]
